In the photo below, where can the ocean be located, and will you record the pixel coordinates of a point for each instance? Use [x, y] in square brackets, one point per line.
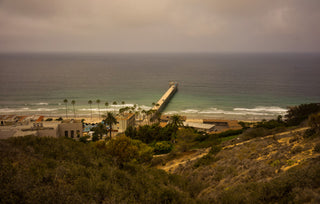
[231, 86]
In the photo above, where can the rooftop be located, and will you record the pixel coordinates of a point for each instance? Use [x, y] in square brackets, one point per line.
[199, 125]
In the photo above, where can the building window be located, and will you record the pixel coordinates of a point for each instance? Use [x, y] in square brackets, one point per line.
[78, 133]
[72, 133]
[66, 133]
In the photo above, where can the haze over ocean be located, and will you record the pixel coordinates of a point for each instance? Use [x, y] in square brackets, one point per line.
[239, 86]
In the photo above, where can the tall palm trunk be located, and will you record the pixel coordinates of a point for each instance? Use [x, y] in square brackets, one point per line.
[65, 101]
[74, 110]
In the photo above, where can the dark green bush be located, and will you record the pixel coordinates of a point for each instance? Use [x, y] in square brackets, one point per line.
[298, 114]
[317, 147]
[163, 147]
[230, 133]
[59, 119]
[256, 132]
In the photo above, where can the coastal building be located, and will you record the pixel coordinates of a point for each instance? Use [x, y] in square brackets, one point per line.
[223, 125]
[7, 120]
[166, 118]
[71, 128]
[200, 126]
[124, 121]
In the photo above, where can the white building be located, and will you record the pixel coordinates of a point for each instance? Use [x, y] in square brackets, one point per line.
[124, 121]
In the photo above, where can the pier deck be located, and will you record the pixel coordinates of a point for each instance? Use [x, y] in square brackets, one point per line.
[164, 100]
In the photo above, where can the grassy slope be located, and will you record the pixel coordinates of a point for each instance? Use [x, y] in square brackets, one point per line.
[281, 168]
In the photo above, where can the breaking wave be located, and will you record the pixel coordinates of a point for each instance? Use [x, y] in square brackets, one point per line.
[22, 110]
[257, 111]
[38, 104]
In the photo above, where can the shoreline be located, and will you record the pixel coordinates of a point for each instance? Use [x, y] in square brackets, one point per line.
[95, 119]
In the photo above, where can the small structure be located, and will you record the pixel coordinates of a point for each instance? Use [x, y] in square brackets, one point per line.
[70, 128]
[223, 125]
[7, 120]
[167, 118]
[124, 121]
[200, 126]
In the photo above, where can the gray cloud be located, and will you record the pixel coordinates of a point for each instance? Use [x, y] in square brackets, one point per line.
[168, 25]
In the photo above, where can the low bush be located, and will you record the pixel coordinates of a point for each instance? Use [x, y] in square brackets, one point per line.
[317, 148]
[297, 114]
[229, 133]
[163, 147]
[296, 150]
[59, 119]
[256, 132]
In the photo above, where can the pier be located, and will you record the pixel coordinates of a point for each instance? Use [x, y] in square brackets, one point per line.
[164, 100]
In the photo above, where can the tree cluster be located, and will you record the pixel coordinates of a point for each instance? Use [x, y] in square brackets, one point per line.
[149, 134]
[298, 114]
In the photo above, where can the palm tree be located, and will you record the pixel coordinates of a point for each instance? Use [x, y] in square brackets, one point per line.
[110, 120]
[175, 122]
[65, 101]
[106, 104]
[73, 102]
[98, 102]
[123, 102]
[114, 103]
[90, 103]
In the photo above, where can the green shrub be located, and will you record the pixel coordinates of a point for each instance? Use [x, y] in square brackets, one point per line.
[270, 124]
[215, 149]
[230, 133]
[205, 160]
[276, 163]
[84, 139]
[298, 114]
[163, 147]
[317, 147]
[296, 150]
[256, 132]
[59, 119]
[309, 133]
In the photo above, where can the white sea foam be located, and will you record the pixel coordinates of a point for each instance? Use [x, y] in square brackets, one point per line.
[172, 112]
[257, 111]
[273, 109]
[39, 104]
[20, 110]
[122, 105]
[190, 111]
[12, 110]
[44, 109]
[143, 107]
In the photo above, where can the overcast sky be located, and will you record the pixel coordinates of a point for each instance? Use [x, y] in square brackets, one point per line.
[160, 25]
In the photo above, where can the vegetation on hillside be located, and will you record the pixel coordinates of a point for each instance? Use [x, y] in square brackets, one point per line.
[49, 170]
[242, 166]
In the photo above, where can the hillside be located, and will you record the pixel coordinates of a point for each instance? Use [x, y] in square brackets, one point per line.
[276, 168]
[273, 161]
